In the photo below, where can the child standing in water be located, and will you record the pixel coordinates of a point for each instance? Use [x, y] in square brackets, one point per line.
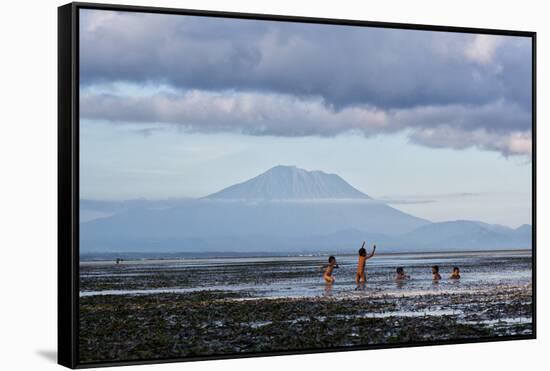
[456, 274]
[327, 275]
[361, 276]
[435, 273]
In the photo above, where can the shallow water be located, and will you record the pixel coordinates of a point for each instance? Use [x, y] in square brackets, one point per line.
[190, 307]
[302, 277]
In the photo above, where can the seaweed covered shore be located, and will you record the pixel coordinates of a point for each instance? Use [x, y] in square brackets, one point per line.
[167, 325]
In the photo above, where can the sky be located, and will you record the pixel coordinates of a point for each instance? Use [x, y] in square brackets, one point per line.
[437, 124]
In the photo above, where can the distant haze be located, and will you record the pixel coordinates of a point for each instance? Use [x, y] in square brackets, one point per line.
[283, 210]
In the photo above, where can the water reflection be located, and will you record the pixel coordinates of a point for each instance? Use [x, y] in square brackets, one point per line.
[328, 290]
[400, 284]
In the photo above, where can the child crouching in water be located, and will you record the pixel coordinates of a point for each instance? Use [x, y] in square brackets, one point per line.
[361, 276]
[327, 275]
[400, 274]
[456, 273]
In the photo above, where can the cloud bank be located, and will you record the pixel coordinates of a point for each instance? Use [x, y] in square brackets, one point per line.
[447, 90]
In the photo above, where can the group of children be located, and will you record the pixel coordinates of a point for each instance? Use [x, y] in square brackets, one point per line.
[361, 276]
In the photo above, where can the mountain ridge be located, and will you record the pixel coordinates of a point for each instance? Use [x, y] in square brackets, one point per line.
[290, 182]
[282, 209]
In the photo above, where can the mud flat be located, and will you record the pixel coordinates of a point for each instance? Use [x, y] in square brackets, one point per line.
[130, 327]
[152, 309]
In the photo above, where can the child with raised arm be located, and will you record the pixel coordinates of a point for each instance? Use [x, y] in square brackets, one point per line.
[327, 275]
[361, 276]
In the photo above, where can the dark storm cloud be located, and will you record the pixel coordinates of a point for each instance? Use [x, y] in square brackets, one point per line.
[290, 79]
[344, 65]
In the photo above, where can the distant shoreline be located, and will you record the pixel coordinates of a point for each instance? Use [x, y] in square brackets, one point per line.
[140, 256]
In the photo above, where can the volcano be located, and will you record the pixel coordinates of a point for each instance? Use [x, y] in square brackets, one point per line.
[283, 210]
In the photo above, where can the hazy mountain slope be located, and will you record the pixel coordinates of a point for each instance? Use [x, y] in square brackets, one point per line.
[464, 234]
[204, 219]
[290, 182]
[285, 209]
[284, 203]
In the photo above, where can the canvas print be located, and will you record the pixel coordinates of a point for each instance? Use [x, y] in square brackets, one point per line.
[260, 186]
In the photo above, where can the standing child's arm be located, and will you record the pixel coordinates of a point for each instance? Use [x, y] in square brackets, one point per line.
[372, 253]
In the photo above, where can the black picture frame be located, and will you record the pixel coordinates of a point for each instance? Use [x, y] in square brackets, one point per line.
[68, 174]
